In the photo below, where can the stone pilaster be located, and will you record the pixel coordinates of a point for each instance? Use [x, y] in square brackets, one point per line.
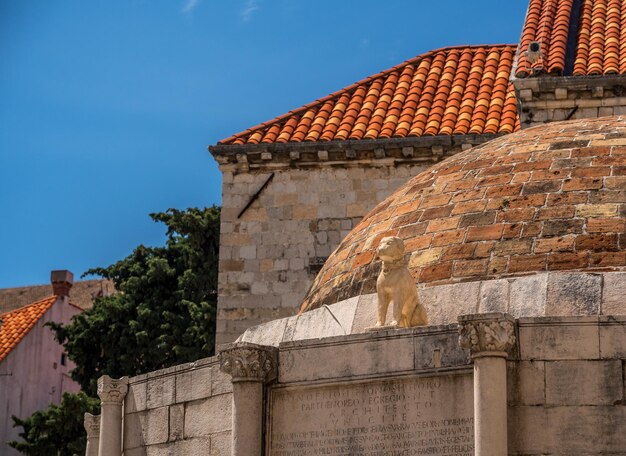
[246, 362]
[491, 334]
[251, 366]
[92, 426]
[111, 392]
[490, 339]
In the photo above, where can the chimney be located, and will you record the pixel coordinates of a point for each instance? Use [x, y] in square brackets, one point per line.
[62, 281]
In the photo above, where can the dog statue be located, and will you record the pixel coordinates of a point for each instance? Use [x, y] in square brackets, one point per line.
[396, 286]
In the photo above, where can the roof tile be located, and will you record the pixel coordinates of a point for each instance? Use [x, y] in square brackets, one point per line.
[600, 42]
[455, 90]
[459, 90]
[16, 324]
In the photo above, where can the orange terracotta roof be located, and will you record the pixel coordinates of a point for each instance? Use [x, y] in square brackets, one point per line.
[16, 324]
[600, 38]
[547, 21]
[457, 90]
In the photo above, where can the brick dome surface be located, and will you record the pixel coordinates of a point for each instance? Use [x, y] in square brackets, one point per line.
[548, 198]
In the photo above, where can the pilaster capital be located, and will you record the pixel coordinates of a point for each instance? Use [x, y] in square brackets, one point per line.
[112, 390]
[247, 362]
[489, 334]
[92, 426]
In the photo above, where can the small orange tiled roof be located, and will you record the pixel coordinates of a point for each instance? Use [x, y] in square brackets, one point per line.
[16, 324]
[547, 21]
[601, 45]
[600, 37]
[458, 90]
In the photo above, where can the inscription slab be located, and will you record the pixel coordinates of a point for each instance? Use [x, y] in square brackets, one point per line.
[401, 417]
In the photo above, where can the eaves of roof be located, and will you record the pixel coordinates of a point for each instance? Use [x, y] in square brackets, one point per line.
[450, 91]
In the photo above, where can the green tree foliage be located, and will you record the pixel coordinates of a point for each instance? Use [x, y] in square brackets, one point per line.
[164, 313]
[56, 431]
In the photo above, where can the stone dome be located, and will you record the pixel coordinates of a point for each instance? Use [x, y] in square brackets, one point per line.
[548, 198]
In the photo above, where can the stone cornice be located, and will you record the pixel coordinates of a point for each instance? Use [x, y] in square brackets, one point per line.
[111, 390]
[491, 334]
[92, 425]
[581, 91]
[546, 82]
[244, 361]
[349, 153]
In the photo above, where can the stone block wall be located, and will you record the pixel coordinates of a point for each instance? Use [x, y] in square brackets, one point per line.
[270, 255]
[566, 393]
[537, 295]
[286, 207]
[550, 99]
[184, 409]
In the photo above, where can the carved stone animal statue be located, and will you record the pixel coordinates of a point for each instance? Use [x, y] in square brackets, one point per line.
[396, 286]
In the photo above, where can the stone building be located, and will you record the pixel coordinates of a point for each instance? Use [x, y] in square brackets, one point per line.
[351, 149]
[295, 186]
[34, 370]
[535, 284]
[503, 170]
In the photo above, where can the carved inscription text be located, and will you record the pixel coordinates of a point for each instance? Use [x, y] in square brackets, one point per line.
[418, 416]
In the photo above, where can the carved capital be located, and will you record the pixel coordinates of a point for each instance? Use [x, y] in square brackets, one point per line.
[491, 334]
[249, 362]
[92, 426]
[111, 390]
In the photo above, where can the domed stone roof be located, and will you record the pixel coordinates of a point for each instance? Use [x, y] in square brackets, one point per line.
[548, 198]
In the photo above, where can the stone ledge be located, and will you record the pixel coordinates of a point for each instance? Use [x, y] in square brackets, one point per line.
[347, 339]
[576, 102]
[389, 352]
[546, 98]
[348, 153]
[369, 377]
[537, 300]
[171, 371]
[547, 83]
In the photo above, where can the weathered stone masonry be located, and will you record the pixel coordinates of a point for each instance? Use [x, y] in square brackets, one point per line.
[287, 207]
[548, 99]
[564, 382]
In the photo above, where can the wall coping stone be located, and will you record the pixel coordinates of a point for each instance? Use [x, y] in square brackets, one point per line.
[420, 331]
[538, 291]
[174, 370]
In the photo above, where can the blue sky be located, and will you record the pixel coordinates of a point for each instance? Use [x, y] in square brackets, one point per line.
[107, 107]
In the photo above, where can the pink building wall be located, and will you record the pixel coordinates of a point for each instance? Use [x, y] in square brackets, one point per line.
[32, 375]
